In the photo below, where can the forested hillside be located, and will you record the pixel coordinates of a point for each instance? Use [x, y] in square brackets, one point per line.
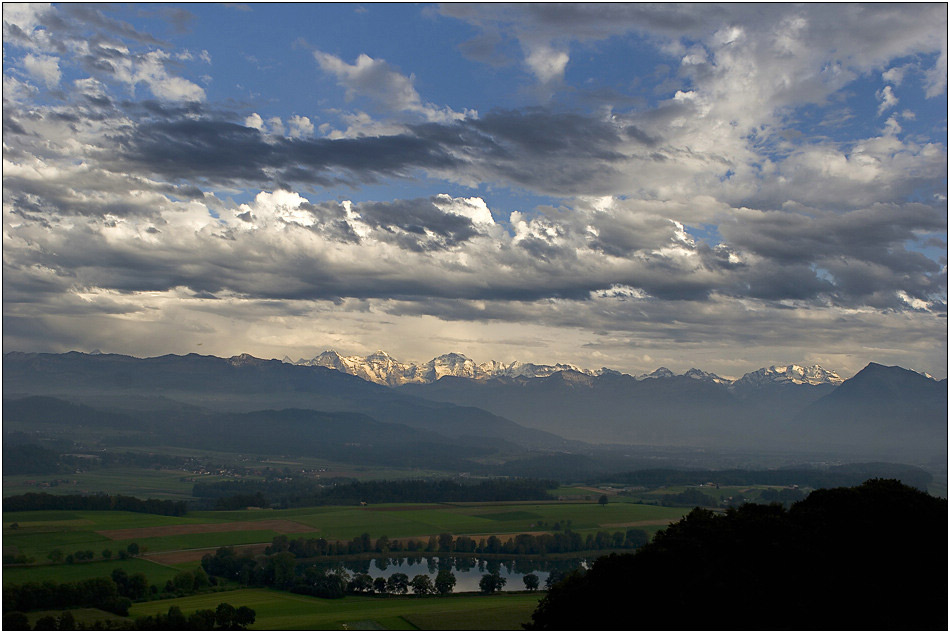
[871, 557]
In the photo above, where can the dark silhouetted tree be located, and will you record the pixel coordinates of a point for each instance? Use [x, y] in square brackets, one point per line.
[531, 582]
[444, 581]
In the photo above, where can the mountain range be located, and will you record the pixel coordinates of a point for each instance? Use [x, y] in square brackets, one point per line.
[882, 412]
[383, 369]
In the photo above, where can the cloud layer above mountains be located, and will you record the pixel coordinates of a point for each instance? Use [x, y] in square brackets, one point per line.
[720, 186]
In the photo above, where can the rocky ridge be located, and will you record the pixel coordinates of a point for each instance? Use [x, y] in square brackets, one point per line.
[381, 368]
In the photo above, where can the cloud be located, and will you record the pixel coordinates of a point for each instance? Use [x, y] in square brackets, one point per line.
[702, 214]
[24, 16]
[895, 75]
[887, 98]
[300, 126]
[44, 68]
[151, 71]
[254, 121]
[937, 75]
[547, 64]
[373, 78]
[383, 85]
[103, 47]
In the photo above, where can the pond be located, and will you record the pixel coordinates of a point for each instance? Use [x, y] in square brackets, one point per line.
[468, 570]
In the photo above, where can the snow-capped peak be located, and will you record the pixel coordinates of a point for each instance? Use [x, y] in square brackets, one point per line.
[699, 374]
[793, 374]
[660, 372]
[381, 368]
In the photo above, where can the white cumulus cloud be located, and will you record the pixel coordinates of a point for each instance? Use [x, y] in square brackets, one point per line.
[43, 67]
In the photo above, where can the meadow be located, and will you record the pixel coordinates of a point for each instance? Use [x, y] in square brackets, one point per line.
[168, 545]
[37, 533]
[134, 482]
[277, 610]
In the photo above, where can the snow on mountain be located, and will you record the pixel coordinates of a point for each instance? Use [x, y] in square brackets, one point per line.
[383, 369]
[530, 370]
[789, 374]
[450, 365]
[661, 372]
[699, 374]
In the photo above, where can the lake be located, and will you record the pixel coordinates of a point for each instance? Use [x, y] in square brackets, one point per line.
[468, 570]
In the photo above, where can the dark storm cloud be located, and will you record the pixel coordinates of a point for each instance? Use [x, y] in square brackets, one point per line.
[863, 251]
[581, 21]
[795, 236]
[223, 152]
[591, 20]
[414, 219]
[70, 22]
[10, 125]
[76, 17]
[536, 148]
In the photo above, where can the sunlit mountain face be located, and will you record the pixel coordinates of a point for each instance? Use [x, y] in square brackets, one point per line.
[714, 186]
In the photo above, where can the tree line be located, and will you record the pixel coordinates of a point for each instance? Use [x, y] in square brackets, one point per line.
[46, 501]
[558, 542]
[303, 493]
[116, 594]
[281, 570]
[98, 593]
[288, 563]
[225, 617]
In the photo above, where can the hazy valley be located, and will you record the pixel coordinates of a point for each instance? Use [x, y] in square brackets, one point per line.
[654, 289]
[779, 414]
[464, 481]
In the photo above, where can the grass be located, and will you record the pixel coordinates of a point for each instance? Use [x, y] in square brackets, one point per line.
[197, 541]
[155, 573]
[39, 543]
[40, 532]
[136, 482]
[278, 610]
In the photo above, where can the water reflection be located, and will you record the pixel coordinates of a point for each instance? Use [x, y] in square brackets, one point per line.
[468, 570]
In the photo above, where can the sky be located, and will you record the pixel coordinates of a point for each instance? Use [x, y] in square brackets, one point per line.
[628, 186]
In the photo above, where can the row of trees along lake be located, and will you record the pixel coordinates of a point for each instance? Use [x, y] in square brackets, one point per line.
[563, 540]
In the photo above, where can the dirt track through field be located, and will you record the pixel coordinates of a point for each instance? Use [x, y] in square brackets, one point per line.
[281, 526]
[431, 506]
[639, 523]
[177, 557]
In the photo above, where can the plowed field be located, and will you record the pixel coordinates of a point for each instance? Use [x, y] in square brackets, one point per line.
[281, 526]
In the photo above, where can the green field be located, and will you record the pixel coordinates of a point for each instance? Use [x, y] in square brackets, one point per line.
[278, 610]
[37, 533]
[345, 522]
[166, 483]
[156, 574]
[136, 482]
[41, 531]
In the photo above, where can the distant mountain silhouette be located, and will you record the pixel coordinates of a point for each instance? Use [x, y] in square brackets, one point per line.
[244, 384]
[340, 436]
[884, 412]
[617, 408]
[889, 408]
